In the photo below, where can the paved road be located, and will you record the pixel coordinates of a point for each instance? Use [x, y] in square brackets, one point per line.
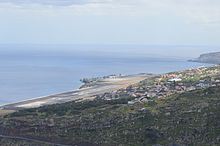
[106, 85]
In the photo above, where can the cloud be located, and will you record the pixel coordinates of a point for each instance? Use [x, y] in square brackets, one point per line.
[54, 2]
[45, 2]
[206, 12]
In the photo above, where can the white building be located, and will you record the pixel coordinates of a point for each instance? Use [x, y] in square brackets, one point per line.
[175, 80]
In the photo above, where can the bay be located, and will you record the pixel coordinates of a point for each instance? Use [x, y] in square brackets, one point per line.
[28, 71]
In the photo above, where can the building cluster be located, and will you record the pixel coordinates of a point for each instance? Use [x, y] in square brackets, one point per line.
[169, 84]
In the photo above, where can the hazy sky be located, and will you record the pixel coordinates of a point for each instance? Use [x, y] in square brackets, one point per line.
[160, 22]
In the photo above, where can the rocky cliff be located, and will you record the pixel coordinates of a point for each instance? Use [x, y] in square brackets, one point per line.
[213, 58]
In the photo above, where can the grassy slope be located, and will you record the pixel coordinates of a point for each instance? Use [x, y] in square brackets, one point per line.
[10, 142]
[192, 118]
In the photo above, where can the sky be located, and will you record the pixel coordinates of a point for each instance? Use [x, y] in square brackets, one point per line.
[145, 22]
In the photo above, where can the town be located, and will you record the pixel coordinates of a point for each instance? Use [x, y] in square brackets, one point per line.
[168, 84]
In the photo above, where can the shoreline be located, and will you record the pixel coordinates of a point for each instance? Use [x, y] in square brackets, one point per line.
[35, 98]
[100, 87]
[72, 86]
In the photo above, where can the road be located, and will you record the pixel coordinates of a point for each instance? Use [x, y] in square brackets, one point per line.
[103, 86]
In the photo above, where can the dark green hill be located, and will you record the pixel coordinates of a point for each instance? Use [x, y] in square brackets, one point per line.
[190, 118]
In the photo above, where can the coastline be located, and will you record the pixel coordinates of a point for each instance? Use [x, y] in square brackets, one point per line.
[100, 87]
[84, 92]
[35, 98]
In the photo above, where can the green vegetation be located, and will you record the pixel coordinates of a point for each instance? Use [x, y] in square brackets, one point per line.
[13, 142]
[191, 118]
[188, 117]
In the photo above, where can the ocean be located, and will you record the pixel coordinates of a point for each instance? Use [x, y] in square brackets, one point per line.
[29, 71]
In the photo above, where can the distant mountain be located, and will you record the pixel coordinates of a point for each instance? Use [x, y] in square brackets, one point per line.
[213, 58]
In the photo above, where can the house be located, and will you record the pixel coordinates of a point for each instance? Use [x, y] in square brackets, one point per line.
[143, 99]
[191, 88]
[131, 102]
[175, 80]
[202, 85]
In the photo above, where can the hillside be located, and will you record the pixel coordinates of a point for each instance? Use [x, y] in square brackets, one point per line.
[179, 117]
[213, 58]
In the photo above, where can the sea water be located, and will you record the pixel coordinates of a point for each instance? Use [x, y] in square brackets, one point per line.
[29, 71]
